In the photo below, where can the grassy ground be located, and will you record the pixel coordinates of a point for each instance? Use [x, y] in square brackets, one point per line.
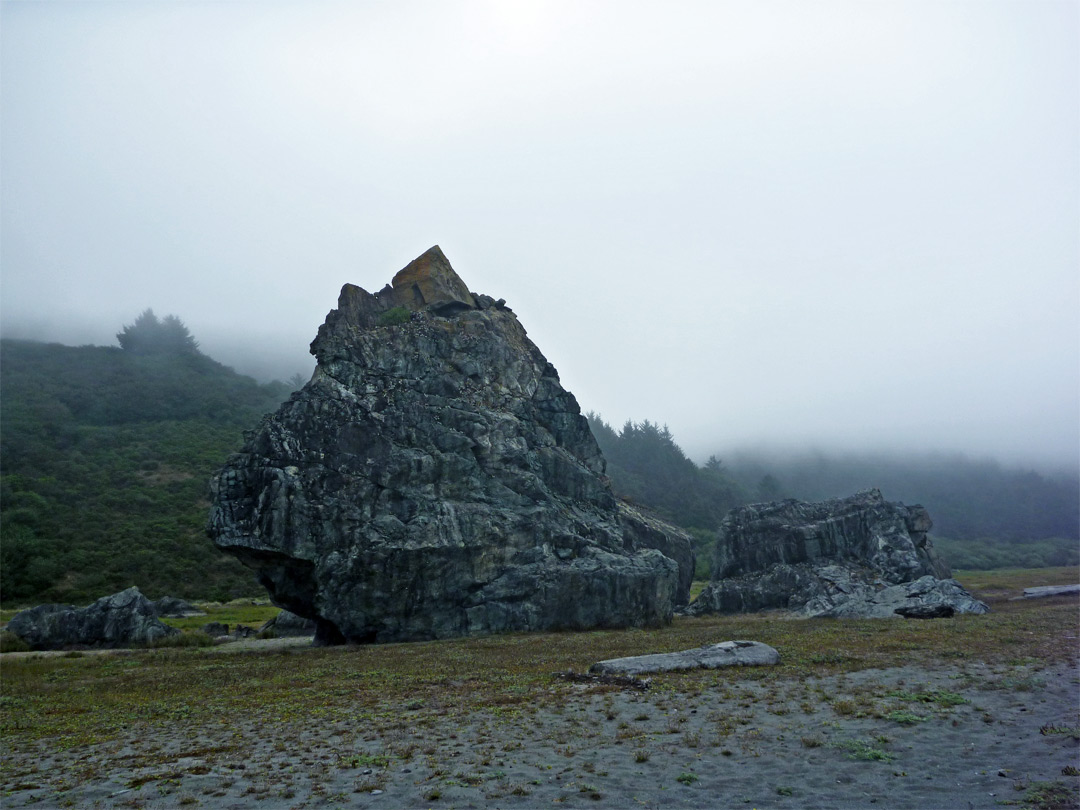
[253, 613]
[74, 698]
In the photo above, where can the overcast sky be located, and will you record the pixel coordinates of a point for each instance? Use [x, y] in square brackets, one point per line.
[849, 225]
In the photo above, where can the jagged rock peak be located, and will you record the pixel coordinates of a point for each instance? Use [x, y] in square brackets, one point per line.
[435, 479]
[427, 284]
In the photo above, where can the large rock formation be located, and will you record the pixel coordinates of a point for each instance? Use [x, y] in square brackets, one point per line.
[434, 479]
[121, 620]
[857, 556]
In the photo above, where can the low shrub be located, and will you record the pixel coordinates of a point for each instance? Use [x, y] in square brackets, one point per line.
[9, 642]
[394, 317]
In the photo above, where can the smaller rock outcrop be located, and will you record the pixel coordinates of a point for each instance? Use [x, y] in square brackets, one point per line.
[287, 623]
[712, 656]
[860, 556]
[121, 620]
[173, 608]
[925, 598]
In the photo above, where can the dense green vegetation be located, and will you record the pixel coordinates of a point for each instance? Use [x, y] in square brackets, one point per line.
[106, 457]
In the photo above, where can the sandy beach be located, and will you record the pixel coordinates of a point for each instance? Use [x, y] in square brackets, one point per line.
[969, 736]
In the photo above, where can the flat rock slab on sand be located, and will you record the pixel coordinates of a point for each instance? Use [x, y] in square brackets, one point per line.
[1050, 590]
[711, 656]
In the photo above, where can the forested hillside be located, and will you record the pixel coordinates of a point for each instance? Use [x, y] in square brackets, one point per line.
[106, 454]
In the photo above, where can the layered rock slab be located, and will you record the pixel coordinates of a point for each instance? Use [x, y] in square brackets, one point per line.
[434, 479]
[860, 556]
[711, 656]
[124, 619]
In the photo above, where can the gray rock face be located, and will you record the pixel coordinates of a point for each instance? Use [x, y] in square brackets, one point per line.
[712, 656]
[434, 479]
[925, 598]
[645, 530]
[121, 620]
[856, 556]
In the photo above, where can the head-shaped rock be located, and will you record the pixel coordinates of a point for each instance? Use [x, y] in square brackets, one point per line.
[429, 282]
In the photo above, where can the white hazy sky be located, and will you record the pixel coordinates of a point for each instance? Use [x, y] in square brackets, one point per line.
[841, 224]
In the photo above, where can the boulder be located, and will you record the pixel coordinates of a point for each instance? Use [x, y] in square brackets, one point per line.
[860, 556]
[171, 607]
[712, 656]
[434, 479]
[121, 620]
[287, 623]
[925, 598]
[215, 629]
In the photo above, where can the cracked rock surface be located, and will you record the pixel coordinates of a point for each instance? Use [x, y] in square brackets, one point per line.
[434, 479]
[855, 557]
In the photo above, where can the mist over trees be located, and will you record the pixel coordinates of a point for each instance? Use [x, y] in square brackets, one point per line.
[148, 335]
[985, 515]
[647, 466]
[967, 498]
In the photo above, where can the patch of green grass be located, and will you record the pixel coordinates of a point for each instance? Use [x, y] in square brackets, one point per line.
[939, 697]
[1048, 796]
[252, 612]
[696, 587]
[862, 750]
[192, 639]
[1067, 731]
[687, 778]
[904, 717]
[365, 761]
